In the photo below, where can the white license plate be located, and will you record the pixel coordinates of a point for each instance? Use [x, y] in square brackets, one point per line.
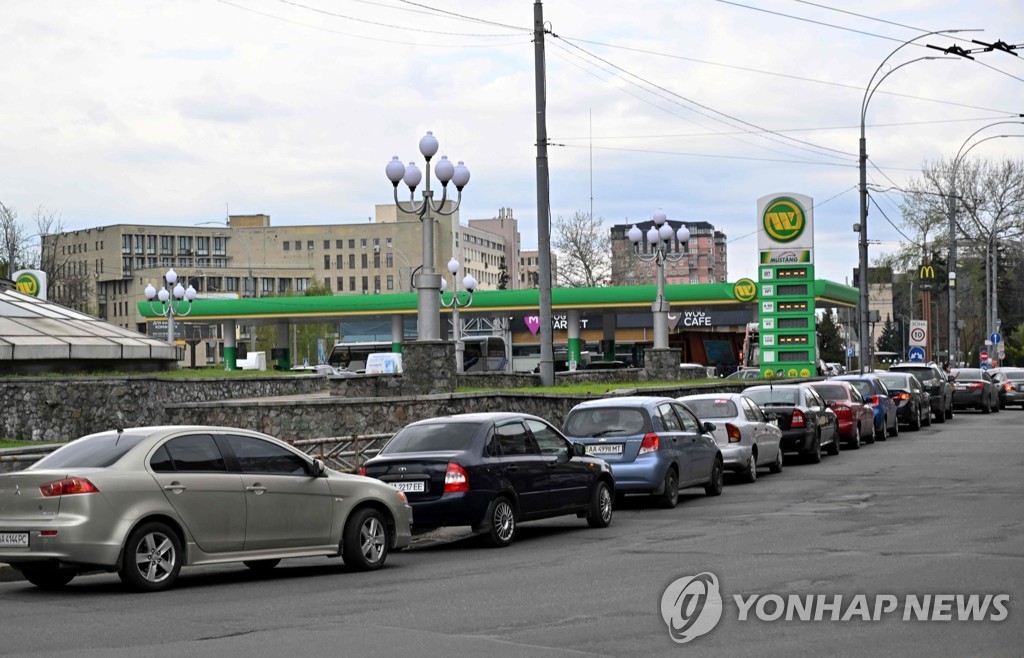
[14, 539]
[605, 449]
[413, 487]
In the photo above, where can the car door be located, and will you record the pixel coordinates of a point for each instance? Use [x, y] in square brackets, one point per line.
[862, 415]
[208, 498]
[674, 444]
[523, 466]
[766, 435]
[286, 505]
[701, 450]
[819, 412]
[568, 479]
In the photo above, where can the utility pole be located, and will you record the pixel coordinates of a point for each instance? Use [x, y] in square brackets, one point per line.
[547, 356]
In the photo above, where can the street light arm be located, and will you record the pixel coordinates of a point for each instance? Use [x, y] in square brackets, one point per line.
[413, 209]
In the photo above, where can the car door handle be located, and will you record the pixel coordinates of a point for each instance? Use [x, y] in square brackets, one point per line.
[257, 488]
[176, 487]
[512, 468]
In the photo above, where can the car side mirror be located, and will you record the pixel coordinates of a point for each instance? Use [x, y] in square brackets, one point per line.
[578, 450]
[319, 469]
[709, 427]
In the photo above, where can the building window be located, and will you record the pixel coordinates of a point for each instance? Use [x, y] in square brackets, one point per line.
[376, 260]
[338, 243]
[327, 282]
[151, 245]
[267, 284]
[391, 282]
[351, 284]
[166, 244]
[284, 285]
[139, 243]
[220, 247]
[376, 243]
[287, 245]
[389, 259]
[341, 283]
[351, 261]
[327, 245]
[362, 242]
[351, 244]
[339, 262]
[387, 242]
[376, 283]
[298, 245]
[213, 283]
[184, 244]
[366, 283]
[301, 284]
[231, 284]
[126, 244]
[202, 246]
[364, 260]
[327, 262]
[309, 245]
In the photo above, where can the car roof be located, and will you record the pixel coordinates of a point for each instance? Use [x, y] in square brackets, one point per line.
[628, 401]
[710, 396]
[478, 417]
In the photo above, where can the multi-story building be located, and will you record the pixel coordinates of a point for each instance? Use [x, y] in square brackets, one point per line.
[529, 269]
[705, 260]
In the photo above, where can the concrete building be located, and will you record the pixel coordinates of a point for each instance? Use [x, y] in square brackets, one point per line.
[529, 269]
[705, 262]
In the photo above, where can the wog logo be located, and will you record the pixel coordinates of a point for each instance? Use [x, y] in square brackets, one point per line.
[784, 220]
[691, 606]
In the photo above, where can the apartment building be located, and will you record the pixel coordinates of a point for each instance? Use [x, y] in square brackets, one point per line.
[705, 258]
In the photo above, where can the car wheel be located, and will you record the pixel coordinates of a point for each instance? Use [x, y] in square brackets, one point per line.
[717, 481]
[814, 454]
[776, 466]
[501, 521]
[986, 408]
[600, 513]
[750, 470]
[670, 496]
[365, 542]
[927, 420]
[895, 427]
[915, 420]
[152, 558]
[48, 577]
[261, 566]
[833, 448]
[996, 406]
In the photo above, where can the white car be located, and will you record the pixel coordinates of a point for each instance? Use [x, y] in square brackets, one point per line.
[746, 437]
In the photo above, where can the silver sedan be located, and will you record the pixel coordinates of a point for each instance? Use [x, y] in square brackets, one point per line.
[745, 436]
[148, 500]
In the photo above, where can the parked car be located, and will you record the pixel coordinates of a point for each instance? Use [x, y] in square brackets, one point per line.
[654, 445]
[973, 388]
[491, 471]
[806, 422]
[913, 404]
[856, 418]
[939, 388]
[743, 433]
[146, 501]
[877, 395]
[748, 373]
[1010, 382]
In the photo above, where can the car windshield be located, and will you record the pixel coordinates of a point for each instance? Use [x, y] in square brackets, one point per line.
[773, 396]
[433, 437]
[604, 421]
[1012, 374]
[923, 374]
[831, 391]
[713, 408]
[91, 452]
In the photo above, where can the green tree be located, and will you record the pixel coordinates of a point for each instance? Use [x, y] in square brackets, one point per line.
[889, 340]
[830, 341]
[503, 277]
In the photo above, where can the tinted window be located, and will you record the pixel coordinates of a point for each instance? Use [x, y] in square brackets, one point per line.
[773, 396]
[668, 419]
[862, 386]
[968, 373]
[812, 398]
[923, 374]
[259, 456]
[690, 422]
[754, 414]
[433, 437]
[98, 452]
[196, 453]
[491, 448]
[515, 440]
[831, 391]
[713, 408]
[161, 461]
[894, 381]
[548, 440]
[605, 421]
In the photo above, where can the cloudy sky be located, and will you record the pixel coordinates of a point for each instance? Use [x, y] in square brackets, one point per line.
[142, 111]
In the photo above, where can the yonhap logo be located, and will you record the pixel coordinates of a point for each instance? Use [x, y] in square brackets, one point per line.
[691, 606]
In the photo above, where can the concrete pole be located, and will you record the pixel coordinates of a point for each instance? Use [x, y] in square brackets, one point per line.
[573, 348]
[230, 346]
[547, 355]
[397, 333]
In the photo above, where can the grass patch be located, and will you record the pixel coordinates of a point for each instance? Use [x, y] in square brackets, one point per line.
[184, 373]
[591, 388]
[5, 443]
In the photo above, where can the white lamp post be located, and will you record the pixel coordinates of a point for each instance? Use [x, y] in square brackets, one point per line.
[428, 283]
[659, 237]
[469, 283]
[176, 301]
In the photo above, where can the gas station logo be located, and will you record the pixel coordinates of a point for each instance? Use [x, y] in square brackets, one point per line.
[31, 283]
[744, 290]
[784, 220]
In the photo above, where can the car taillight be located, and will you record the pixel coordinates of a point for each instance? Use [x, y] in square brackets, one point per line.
[901, 396]
[974, 386]
[733, 432]
[362, 470]
[798, 419]
[841, 410]
[68, 486]
[1008, 386]
[455, 478]
[649, 444]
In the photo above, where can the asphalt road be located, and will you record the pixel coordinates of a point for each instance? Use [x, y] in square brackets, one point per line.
[935, 512]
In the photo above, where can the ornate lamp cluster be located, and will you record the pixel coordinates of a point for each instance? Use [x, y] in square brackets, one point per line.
[469, 284]
[660, 238]
[174, 302]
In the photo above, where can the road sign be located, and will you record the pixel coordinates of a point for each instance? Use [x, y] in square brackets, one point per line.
[984, 355]
[916, 353]
[984, 365]
[851, 351]
[918, 332]
[995, 338]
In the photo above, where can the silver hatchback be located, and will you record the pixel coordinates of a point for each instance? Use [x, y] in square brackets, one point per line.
[146, 501]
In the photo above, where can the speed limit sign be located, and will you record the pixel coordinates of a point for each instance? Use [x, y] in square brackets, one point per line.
[917, 335]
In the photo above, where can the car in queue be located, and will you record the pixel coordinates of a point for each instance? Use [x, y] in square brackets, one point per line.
[745, 373]
[1010, 382]
[146, 501]
[654, 445]
[807, 424]
[492, 471]
[856, 418]
[973, 388]
[746, 437]
[875, 393]
[935, 381]
[913, 404]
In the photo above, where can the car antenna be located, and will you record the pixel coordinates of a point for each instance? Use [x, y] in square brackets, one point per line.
[120, 431]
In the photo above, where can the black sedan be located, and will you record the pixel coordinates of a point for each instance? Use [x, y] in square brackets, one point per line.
[913, 402]
[491, 471]
[1010, 382]
[973, 388]
[806, 422]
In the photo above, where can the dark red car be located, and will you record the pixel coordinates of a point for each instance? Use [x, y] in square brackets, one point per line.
[856, 418]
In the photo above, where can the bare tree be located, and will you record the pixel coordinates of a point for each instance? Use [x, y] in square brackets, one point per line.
[13, 242]
[67, 283]
[584, 247]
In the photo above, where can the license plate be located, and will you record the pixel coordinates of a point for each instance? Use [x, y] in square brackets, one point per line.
[14, 539]
[605, 449]
[412, 487]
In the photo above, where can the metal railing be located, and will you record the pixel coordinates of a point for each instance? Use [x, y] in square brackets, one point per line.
[343, 453]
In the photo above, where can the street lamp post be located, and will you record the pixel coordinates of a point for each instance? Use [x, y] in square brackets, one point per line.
[174, 302]
[659, 238]
[862, 227]
[428, 282]
[469, 283]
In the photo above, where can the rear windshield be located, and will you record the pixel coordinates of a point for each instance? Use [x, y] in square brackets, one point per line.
[1012, 374]
[717, 408]
[432, 437]
[891, 381]
[921, 373]
[862, 386]
[766, 397]
[831, 391]
[968, 373]
[604, 422]
[93, 452]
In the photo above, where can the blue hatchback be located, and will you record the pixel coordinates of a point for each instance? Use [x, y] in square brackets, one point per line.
[877, 395]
